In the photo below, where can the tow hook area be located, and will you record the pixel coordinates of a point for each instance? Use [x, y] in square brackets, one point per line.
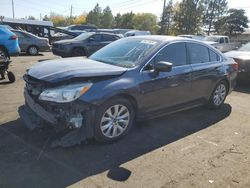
[76, 121]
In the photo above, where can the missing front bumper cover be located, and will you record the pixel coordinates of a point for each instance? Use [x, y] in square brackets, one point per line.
[35, 116]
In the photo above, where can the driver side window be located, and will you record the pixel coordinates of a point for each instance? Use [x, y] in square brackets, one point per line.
[173, 53]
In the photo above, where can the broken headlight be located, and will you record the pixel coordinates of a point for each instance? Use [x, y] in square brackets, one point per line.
[65, 93]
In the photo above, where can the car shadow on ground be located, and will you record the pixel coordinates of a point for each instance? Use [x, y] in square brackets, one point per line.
[243, 87]
[26, 160]
[25, 54]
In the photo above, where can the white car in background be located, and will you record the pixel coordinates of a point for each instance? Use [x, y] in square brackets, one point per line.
[221, 42]
[136, 33]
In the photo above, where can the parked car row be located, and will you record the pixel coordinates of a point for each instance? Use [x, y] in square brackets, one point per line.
[83, 45]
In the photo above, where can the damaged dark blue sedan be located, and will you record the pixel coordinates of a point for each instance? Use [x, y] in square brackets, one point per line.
[134, 78]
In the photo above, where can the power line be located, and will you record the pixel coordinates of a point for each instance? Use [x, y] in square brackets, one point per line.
[135, 5]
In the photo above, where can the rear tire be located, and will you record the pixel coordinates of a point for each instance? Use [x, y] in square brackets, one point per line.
[33, 50]
[11, 77]
[76, 52]
[219, 95]
[114, 119]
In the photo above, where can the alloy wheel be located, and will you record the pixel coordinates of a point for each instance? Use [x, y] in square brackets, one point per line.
[115, 121]
[219, 94]
[33, 50]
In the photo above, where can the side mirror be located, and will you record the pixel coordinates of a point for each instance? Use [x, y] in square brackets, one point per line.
[163, 66]
[91, 39]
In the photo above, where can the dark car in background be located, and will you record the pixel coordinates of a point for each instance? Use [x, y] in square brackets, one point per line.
[64, 36]
[30, 43]
[83, 45]
[132, 78]
[242, 57]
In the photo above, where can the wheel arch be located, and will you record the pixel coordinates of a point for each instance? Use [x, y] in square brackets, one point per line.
[129, 97]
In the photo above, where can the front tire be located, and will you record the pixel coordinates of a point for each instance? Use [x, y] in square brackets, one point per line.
[114, 119]
[11, 77]
[219, 95]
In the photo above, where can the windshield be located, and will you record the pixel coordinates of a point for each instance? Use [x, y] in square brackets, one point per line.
[245, 47]
[124, 52]
[83, 36]
[212, 39]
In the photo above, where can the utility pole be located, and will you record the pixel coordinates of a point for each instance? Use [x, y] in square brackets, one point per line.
[162, 18]
[71, 10]
[40, 16]
[13, 10]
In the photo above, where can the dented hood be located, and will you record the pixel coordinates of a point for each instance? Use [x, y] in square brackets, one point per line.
[78, 67]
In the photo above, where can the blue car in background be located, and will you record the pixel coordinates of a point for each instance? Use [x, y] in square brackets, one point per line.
[8, 44]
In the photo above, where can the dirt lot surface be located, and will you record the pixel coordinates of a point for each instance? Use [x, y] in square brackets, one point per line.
[194, 148]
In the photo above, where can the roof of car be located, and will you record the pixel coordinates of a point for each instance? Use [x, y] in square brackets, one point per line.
[162, 38]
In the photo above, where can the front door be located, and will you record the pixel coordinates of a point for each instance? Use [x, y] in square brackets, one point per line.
[167, 89]
[94, 43]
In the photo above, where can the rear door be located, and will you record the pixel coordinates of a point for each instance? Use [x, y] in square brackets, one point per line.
[167, 89]
[206, 69]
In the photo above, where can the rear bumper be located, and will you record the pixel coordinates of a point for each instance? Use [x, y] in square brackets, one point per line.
[15, 52]
[45, 48]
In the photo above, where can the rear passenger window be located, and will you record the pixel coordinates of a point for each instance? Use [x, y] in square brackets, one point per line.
[97, 38]
[198, 53]
[108, 38]
[213, 56]
[174, 53]
[221, 40]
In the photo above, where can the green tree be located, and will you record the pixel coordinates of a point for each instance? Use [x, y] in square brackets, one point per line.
[145, 21]
[214, 9]
[107, 18]
[118, 21]
[127, 21]
[31, 18]
[94, 16]
[57, 19]
[167, 18]
[188, 17]
[46, 18]
[234, 23]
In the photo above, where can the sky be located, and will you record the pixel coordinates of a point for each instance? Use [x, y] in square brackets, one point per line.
[25, 8]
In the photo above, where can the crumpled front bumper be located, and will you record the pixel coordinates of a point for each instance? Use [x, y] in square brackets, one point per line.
[34, 116]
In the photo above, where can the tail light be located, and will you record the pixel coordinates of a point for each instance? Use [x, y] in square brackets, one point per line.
[13, 37]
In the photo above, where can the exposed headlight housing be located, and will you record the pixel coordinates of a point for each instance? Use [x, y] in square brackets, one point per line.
[65, 94]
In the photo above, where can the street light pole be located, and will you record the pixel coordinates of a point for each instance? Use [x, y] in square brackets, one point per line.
[162, 18]
[13, 10]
